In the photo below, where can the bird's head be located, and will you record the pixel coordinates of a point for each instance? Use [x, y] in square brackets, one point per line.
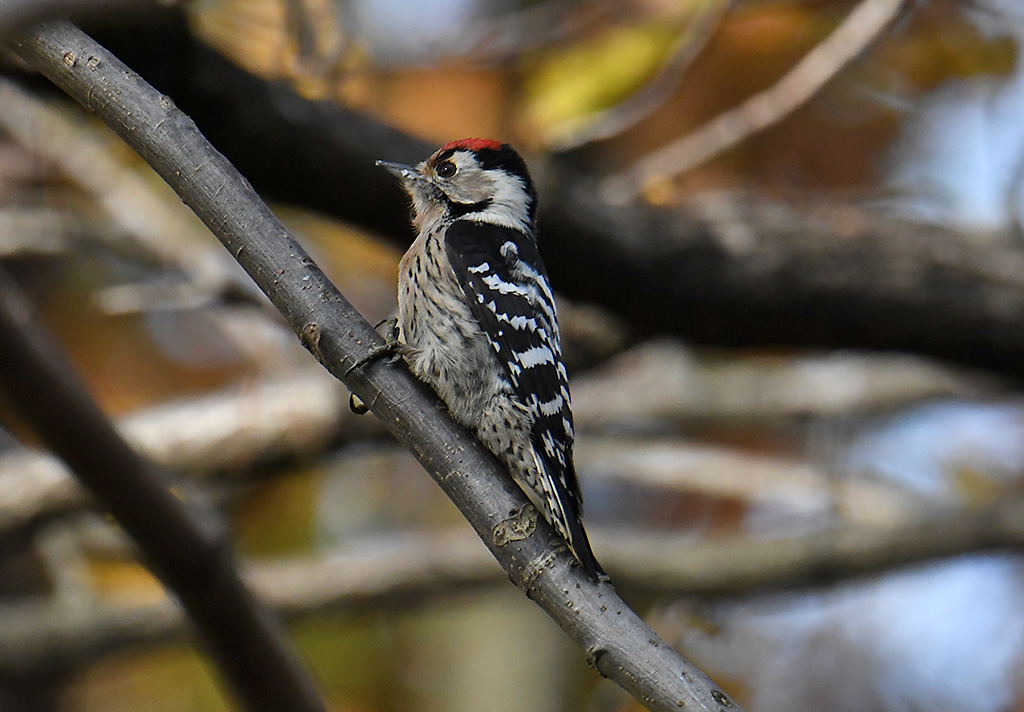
[473, 178]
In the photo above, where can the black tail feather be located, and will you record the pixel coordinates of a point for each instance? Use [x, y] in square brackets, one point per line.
[579, 543]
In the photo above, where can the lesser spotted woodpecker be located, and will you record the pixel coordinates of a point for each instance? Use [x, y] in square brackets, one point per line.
[476, 320]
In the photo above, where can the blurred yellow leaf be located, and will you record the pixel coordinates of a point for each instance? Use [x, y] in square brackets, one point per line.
[569, 88]
[975, 487]
[278, 517]
[564, 87]
[163, 680]
[127, 582]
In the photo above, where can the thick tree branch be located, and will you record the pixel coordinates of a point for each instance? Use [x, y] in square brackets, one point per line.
[739, 271]
[616, 641]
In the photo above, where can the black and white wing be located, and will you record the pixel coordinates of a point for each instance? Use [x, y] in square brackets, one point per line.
[506, 286]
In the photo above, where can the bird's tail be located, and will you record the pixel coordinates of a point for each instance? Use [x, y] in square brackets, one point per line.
[579, 543]
[564, 509]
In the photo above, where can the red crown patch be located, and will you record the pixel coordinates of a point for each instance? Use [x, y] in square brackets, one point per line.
[472, 144]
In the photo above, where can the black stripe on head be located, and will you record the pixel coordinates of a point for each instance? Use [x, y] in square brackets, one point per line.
[506, 159]
[444, 156]
[459, 210]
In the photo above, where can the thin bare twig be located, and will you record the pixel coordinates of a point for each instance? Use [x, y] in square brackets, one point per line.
[860, 28]
[662, 379]
[740, 565]
[145, 209]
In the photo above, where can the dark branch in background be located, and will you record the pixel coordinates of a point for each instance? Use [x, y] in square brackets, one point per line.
[19, 14]
[184, 545]
[732, 271]
[619, 644]
[741, 272]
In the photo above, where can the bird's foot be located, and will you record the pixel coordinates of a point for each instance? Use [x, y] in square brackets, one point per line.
[392, 348]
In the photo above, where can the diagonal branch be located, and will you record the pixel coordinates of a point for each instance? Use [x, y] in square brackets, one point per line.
[617, 642]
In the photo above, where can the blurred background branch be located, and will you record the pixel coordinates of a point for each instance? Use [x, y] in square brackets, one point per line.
[184, 545]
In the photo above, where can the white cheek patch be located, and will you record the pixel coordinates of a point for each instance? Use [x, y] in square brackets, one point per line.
[510, 203]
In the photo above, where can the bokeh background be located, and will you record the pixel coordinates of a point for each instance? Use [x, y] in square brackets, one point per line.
[908, 111]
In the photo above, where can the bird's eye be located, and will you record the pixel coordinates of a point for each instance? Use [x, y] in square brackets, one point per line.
[446, 169]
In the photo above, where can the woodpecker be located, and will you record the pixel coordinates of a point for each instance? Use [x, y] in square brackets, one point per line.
[476, 321]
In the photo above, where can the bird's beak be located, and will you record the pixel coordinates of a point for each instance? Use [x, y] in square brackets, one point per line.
[406, 173]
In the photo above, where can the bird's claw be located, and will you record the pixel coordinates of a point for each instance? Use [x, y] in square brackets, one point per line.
[391, 349]
[356, 405]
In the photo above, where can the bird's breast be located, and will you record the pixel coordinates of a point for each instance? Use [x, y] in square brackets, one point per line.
[445, 346]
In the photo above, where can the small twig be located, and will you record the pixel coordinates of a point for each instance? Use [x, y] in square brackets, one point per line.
[861, 27]
[39, 230]
[617, 642]
[795, 485]
[741, 565]
[663, 379]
